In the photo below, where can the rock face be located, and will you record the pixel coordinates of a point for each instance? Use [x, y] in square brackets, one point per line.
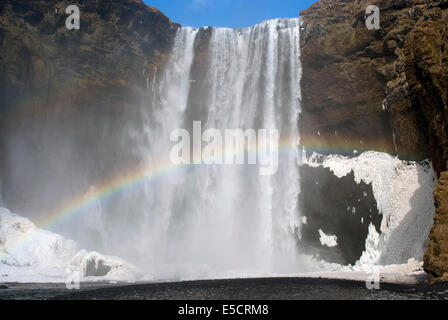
[78, 83]
[436, 257]
[427, 73]
[426, 62]
[380, 89]
[346, 213]
[355, 94]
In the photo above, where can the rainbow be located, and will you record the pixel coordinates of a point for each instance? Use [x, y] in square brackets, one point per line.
[141, 174]
[119, 184]
[129, 180]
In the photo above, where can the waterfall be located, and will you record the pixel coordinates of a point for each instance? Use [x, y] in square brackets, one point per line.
[224, 218]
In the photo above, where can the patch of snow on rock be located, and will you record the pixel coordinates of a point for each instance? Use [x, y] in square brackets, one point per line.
[327, 240]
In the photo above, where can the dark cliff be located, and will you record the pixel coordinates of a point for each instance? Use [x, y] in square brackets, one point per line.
[64, 93]
[382, 89]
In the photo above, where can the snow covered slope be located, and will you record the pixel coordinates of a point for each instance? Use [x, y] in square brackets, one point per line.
[30, 254]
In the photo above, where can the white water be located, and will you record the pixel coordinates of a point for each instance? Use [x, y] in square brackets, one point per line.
[226, 218]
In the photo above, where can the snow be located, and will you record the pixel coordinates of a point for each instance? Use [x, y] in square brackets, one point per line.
[94, 264]
[410, 272]
[27, 245]
[30, 254]
[328, 240]
[403, 192]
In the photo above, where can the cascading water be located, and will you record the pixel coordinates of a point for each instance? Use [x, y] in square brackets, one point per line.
[224, 218]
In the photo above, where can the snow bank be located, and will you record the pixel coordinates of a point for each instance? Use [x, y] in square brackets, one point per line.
[403, 192]
[30, 254]
[28, 245]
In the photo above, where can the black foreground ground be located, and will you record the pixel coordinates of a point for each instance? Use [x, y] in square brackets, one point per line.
[244, 289]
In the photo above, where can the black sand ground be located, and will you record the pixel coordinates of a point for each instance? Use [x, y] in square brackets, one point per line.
[238, 289]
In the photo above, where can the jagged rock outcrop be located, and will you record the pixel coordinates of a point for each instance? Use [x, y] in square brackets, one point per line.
[426, 63]
[380, 89]
[427, 74]
[355, 94]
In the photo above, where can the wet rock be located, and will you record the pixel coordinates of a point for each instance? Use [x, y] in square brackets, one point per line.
[347, 211]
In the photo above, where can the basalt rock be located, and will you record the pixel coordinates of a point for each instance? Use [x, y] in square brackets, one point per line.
[427, 74]
[355, 93]
[436, 257]
[347, 212]
[426, 64]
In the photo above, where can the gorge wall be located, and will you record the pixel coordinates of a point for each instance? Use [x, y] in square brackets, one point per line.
[380, 89]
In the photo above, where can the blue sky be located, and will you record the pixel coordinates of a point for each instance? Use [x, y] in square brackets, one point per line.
[228, 13]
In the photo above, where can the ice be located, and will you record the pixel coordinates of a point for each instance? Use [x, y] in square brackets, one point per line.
[403, 192]
[30, 254]
[94, 264]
